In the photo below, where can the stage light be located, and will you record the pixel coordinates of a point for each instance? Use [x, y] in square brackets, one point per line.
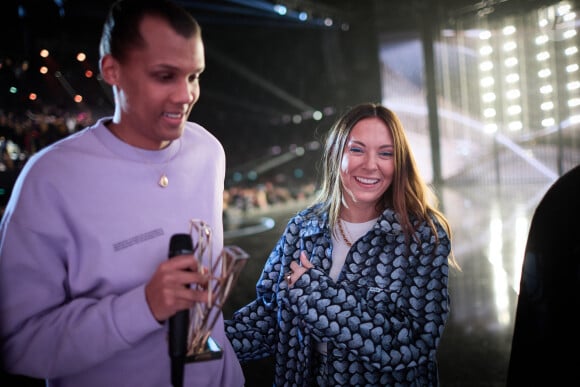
[485, 50]
[546, 89]
[571, 50]
[486, 66]
[515, 126]
[574, 85]
[547, 122]
[280, 9]
[487, 81]
[511, 62]
[569, 34]
[508, 30]
[488, 97]
[513, 94]
[509, 46]
[544, 73]
[489, 113]
[542, 56]
[490, 128]
[512, 78]
[542, 39]
[485, 34]
[514, 110]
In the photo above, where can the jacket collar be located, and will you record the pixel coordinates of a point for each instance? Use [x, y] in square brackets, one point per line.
[313, 224]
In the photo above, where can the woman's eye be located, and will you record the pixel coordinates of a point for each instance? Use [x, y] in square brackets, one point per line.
[355, 150]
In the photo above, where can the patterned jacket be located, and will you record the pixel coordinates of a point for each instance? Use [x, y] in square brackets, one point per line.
[382, 319]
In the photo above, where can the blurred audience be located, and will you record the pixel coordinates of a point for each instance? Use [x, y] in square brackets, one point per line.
[23, 134]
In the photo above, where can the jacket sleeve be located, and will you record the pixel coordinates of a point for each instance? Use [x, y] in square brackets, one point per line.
[252, 328]
[392, 323]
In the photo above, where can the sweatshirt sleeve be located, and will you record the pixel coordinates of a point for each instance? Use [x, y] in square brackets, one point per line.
[45, 332]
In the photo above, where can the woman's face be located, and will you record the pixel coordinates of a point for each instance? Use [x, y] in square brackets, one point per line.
[368, 164]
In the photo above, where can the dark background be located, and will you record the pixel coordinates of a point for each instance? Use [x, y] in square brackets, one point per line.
[263, 69]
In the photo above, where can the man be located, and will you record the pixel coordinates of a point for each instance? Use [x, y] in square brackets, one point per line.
[86, 286]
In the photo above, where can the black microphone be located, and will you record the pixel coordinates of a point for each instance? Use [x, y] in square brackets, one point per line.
[179, 323]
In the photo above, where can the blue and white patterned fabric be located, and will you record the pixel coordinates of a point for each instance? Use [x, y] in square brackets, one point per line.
[382, 320]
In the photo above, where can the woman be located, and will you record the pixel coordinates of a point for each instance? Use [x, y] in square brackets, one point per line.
[356, 290]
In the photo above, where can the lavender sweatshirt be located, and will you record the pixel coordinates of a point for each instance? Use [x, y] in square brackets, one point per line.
[84, 230]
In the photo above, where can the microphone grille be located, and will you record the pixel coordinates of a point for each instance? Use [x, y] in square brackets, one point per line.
[180, 242]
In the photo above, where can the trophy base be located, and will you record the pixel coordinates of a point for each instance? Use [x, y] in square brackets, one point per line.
[212, 351]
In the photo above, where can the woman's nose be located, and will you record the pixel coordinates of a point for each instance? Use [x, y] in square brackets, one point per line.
[370, 161]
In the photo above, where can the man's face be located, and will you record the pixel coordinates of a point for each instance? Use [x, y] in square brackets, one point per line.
[157, 85]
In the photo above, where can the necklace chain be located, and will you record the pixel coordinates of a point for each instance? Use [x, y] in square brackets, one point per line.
[163, 181]
[342, 234]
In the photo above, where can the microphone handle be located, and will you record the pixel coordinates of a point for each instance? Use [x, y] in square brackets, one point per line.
[179, 323]
[178, 327]
[177, 368]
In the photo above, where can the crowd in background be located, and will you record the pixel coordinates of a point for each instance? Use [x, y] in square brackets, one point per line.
[23, 134]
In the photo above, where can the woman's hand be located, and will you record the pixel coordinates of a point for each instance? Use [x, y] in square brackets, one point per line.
[296, 270]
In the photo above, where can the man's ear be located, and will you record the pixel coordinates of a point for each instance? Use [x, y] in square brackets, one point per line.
[109, 69]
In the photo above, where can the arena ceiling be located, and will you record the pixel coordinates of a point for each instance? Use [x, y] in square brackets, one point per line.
[263, 69]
